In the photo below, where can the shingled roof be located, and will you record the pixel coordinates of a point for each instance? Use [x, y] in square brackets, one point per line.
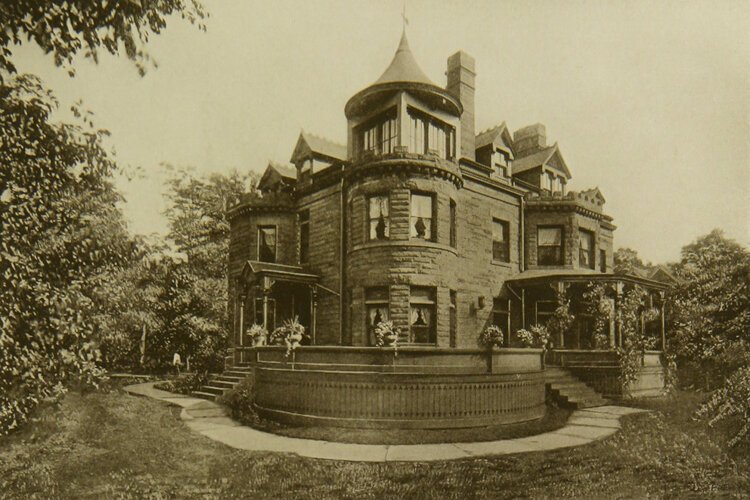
[317, 146]
[403, 67]
[499, 135]
[540, 158]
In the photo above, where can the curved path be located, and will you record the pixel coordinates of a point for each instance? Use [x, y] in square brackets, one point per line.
[211, 420]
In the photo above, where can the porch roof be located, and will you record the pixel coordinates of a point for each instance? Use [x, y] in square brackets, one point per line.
[543, 276]
[280, 272]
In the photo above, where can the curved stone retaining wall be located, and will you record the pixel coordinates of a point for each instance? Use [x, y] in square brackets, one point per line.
[419, 388]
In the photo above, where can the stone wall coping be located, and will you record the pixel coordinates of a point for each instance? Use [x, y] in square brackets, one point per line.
[403, 349]
[403, 243]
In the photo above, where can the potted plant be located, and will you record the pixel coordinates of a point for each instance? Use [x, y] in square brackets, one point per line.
[492, 336]
[258, 335]
[386, 334]
[536, 336]
[290, 334]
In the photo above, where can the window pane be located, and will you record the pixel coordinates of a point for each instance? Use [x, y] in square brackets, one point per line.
[417, 136]
[267, 244]
[550, 236]
[377, 314]
[378, 217]
[421, 216]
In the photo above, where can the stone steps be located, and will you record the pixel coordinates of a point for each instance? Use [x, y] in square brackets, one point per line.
[569, 391]
[218, 385]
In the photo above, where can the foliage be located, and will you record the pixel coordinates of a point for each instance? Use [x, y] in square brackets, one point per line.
[62, 233]
[240, 402]
[627, 261]
[731, 402]
[67, 28]
[535, 336]
[289, 334]
[711, 311]
[561, 320]
[628, 320]
[184, 384]
[492, 336]
[601, 308]
[386, 334]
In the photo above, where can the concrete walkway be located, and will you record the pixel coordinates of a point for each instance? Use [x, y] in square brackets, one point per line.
[211, 420]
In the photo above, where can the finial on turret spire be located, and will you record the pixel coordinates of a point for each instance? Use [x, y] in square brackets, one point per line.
[403, 16]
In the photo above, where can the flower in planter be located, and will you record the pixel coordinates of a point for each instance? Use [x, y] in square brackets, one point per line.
[535, 336]
[492, 336]
[258, 334]
[290, 334]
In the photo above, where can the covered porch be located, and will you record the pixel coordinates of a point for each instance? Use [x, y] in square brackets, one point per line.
[269, 294]
[538, 292]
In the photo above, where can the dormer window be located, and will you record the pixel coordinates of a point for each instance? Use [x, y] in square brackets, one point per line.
[380, 134]
[427, 134]
[500, 162]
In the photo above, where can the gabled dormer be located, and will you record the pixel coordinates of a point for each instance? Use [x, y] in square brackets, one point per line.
[538, 165]
[277, 178]
[313, 154]
[494, 148]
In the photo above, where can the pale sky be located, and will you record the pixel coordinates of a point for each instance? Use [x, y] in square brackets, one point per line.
[648, 101]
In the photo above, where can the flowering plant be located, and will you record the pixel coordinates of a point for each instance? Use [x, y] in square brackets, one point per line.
[258, 334]
[492, 335]
[535, 336]
[290, 334]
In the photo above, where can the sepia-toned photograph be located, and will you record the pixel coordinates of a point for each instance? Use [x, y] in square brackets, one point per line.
[377, 249]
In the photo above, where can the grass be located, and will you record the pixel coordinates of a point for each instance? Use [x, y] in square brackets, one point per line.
[112, 445]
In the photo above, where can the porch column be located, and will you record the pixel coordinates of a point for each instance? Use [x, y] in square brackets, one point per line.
[313, 311]
[618, 299]
[663, 329]
[523, 308]
[266, 291]
[242, 297]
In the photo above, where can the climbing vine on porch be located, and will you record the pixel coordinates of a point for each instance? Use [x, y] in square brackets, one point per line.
[627, 316]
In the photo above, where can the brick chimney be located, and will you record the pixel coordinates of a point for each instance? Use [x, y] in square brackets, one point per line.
[461, 84]
[529, 139]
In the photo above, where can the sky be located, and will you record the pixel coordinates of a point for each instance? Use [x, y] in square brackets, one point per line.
[649, 101]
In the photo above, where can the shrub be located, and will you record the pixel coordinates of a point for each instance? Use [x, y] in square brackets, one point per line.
[185, 384]
[731, 403]
[240, 402]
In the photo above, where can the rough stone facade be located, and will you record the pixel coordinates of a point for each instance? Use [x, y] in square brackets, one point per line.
[471, 200]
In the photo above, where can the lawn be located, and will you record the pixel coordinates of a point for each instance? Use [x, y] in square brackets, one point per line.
[112, 445]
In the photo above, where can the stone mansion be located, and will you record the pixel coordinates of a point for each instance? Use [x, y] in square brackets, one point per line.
[422, 221]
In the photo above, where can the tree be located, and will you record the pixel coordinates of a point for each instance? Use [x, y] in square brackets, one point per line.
[711, 308]
[627, 261]
[66, 28]
[63, 235]
[61, 232]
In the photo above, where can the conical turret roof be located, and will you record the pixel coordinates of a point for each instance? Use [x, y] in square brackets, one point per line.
[403, 67]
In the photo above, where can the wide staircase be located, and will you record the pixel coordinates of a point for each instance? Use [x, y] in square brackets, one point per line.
[569, 391]
[220, 384]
